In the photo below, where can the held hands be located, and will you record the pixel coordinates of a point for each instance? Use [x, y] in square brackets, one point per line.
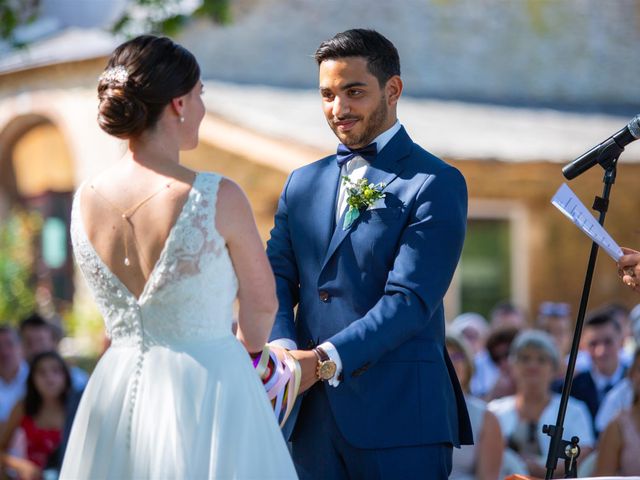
[629, 268]
[308, 363]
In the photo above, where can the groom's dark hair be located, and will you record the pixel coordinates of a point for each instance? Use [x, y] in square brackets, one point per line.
[383, 60]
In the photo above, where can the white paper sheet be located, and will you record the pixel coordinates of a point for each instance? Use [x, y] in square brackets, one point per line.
[568, 203]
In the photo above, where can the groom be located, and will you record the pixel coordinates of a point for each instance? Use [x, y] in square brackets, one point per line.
[367, 269]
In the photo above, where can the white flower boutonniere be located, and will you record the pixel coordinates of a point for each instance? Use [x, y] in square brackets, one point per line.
[360, 195]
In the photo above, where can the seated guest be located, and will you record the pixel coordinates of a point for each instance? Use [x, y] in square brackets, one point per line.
[621, 396]
[498, 346]
[506, 314]
[473, 328]
[39, 336]
[623, 316]
[481, 460]
[41, 415]
[534, 359]
[13, 371]
[555, 319]
[602, 336]
[619, 448]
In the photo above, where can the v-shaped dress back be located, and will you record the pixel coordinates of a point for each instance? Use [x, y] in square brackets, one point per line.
[175, 396]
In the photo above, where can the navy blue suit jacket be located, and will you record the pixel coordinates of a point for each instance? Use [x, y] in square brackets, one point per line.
[375, 292]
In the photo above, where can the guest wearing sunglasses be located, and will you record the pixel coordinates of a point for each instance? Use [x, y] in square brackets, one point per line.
[534, 359]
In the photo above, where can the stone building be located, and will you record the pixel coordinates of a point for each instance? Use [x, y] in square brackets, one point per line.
[480, 80]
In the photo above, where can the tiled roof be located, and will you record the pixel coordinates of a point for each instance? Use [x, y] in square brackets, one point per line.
[69, 45]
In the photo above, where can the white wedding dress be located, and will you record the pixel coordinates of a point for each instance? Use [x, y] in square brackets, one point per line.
[175, 396]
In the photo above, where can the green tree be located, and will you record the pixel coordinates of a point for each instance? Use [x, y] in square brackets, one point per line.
[18, 234]
[140, 16]
[167, 16]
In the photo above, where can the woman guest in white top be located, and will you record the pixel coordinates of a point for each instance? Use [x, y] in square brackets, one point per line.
[481, 460]
[534, 359]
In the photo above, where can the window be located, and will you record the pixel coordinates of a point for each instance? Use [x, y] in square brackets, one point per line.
[494, 262]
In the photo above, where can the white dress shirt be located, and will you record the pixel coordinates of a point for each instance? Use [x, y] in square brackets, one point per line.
[601, 381]
[355, 170]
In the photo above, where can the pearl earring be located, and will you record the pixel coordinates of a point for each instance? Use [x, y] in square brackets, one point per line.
[181, 119]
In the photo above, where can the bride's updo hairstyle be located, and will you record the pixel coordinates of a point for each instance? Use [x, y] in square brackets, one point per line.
[142, 77]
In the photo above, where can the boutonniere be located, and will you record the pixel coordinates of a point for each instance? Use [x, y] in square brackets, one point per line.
[360, 195]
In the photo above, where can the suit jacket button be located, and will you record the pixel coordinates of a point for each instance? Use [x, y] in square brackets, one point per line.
[324, 296]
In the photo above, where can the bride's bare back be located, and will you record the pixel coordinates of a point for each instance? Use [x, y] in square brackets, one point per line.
[141, 236]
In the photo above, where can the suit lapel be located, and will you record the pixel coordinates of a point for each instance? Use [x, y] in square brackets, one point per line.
[385, 169]
[323, 207]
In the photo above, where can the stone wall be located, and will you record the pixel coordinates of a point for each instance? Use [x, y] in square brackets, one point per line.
[555, 251]
[576, 53]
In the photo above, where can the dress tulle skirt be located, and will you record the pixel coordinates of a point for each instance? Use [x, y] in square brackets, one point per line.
[196, 411]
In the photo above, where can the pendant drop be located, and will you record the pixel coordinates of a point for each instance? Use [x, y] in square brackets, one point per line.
[126, 261]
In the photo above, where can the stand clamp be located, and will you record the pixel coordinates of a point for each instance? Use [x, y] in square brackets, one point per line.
[567, 451]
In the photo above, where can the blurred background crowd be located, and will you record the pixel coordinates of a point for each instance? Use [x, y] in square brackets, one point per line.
[512, 369]
[508, 92]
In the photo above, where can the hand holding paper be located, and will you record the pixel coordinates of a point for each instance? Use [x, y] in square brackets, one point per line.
[568, 203]
[629, 268]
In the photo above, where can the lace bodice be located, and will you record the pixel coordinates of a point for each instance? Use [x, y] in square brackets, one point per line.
[190, 292]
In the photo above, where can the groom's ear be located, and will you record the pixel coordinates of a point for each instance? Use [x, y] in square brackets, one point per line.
[393, 90]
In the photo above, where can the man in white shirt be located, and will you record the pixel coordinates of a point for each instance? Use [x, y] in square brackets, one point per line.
[602, 336]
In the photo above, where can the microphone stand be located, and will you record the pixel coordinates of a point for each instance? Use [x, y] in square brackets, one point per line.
[559, 448]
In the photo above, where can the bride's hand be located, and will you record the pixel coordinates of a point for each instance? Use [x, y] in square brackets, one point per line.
[280, 352]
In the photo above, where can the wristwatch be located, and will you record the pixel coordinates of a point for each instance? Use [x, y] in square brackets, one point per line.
[326, 368]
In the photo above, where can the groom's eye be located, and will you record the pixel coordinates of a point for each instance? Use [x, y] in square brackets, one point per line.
[328, 96]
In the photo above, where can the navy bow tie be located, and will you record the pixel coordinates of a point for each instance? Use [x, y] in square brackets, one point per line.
[345, 153]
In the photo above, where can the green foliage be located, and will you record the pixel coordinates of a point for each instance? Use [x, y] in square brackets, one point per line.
[14, 13]
[17, 236]
[361, 193]
[8, 20]
[217, 10]
[166, 16]
[141, 16]
[84, 323]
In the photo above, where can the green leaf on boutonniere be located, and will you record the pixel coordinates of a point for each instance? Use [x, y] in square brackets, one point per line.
[351, 216]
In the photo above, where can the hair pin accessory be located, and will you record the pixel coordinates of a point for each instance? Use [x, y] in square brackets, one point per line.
[117, 74]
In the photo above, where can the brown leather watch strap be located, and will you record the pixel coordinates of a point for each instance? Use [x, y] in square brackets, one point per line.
[321, 354]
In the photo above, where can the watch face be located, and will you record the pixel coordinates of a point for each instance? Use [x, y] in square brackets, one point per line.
[327, 370]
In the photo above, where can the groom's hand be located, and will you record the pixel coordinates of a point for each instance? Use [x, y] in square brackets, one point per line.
[308, 363]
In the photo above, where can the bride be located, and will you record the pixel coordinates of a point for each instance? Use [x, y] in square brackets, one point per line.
[166, 252]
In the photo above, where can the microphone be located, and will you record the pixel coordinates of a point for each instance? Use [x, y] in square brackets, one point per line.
[604, 152]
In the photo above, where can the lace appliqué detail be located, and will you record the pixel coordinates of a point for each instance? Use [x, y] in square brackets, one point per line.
[194, 241]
